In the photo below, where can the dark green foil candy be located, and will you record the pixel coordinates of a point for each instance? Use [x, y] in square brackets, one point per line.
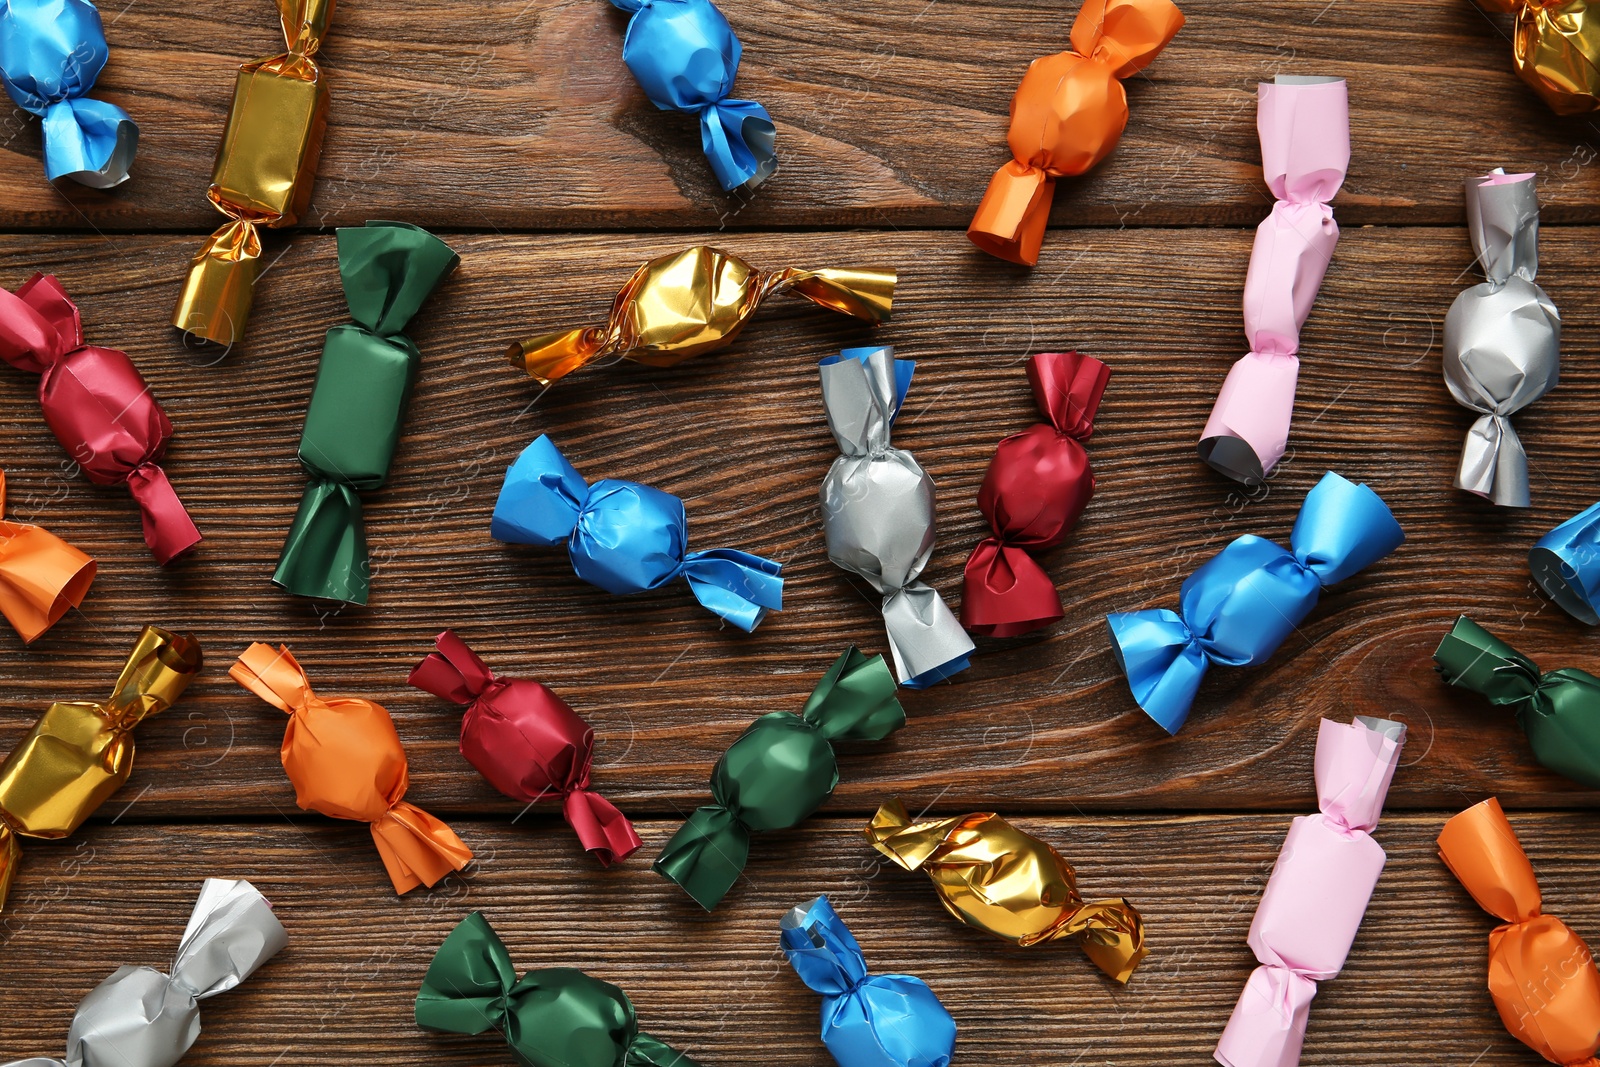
[353, 421]
[1559, 711]
[552, 1017]
[777, 773]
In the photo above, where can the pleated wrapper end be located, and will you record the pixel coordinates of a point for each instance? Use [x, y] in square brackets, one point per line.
[41, 576]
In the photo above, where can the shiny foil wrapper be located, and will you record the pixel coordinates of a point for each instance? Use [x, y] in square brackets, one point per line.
[51, 52]
[868, 1020]
[1502, 337]
[697, 301]
[345, 760]
[777, 773]
[1565, 563]
[1247, 599]
[1067, 115]
[878, 513]
[627, 538]
[1314, 902]
[41, 576]
[1558, 710]
[1036, 487]
[527, 742]
[1555, 47]
[98, 406]
[80, 752]
[685, 56]
[1304, 125]
[994, 877]
[1541, 973]
[388, 270]
[263, 173]
[551, 1017]
[141, 1017]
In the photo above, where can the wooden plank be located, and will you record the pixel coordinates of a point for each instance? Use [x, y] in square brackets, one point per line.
[520, 113]
[716, 985]
[1043, 721]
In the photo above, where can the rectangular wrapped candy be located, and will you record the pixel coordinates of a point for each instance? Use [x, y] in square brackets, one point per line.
[41, 576]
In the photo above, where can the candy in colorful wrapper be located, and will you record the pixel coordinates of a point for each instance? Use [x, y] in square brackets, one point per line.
[80, 751]
[551, 1017]
[1566, 564]
[140, 1017]
[1502, 337]
[995, 877]
[1555, 47]
[1559, 710]
[685, 56]
[98, 406]
[1318, 892]
[868, 1020]
[626, 538]
[877, 513]
[51, 52]
[262, 176]
[697, 301]
[1068, 115]
[41, 576]
[1244, 601]
[777, 773]
[1037, 485]
[1304, 123]
[527, 742]
[345, 760]
[1541, 973]
[353, 420]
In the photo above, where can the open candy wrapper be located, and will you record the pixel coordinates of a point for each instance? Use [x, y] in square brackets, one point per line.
[868, 1020]
[1067, 115]
[627, 538]
[98, 406]
[777, 773]
[527, 742]
[346, 762]
[697, 301]
[551, 1017]
[1244, 601]
[1565, 563]
[1555, 47]
[41, 576]
[51, 52]
[80, 751]
[1317, 895]
[878, 513]
[995, 877]
[352, 426]
[685, 56]
[1541, 973]
[1036, 487]
[1502, 337]
[1304, 123]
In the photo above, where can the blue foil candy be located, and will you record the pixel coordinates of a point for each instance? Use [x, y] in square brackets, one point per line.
[885, 1020]
[51, 51]
[1244, 601]
[626, 538]
[1566, 564]
[685, 55]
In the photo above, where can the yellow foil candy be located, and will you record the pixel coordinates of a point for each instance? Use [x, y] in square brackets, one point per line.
[1556, 49]
[993, 876]
[263, 173]
[697, 301]
[79, 752]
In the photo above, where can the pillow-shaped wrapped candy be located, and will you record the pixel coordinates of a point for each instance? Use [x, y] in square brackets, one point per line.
[626, 538]
[1555, 47]
[41, 576]
[868, 1020]
[1241, 604]
[685, 56]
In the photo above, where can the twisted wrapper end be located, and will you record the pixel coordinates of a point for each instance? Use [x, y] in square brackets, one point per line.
[737, 587]
[552, 356]
[1566, 564]
[214, 304]
[324, 554]
[158, 670]
[541, 498]
[41, 576]
[90, 142]
[855, 700]
[1343, 528]
[909, 845]
[739, 141]
[1125, 34]
[706, 855]
[865, 293]
[1011, 218]
[925, 638]
[1162, 661]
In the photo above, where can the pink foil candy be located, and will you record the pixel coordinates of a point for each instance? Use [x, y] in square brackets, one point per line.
[1304, 125]
[1318, 892]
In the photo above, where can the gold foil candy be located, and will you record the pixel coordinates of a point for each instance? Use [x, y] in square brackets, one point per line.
[1555, 47]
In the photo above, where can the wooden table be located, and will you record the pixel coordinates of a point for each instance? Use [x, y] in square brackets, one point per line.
[514, 129]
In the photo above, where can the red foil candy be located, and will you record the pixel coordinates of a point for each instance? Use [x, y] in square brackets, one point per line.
[527, 742]
[98, 407]
[1037, 485]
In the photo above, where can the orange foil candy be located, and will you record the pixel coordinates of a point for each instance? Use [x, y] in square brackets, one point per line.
[346, 761]
[1541, 974]
[1068, 114]
[41, 576]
